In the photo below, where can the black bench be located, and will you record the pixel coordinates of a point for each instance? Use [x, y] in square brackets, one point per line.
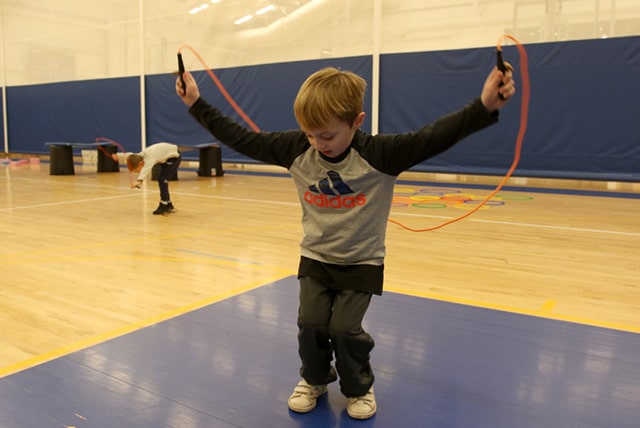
[209, 158]
[61, 157]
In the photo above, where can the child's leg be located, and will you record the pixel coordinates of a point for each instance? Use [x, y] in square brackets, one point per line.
[352, 345]
[167, 171]
[314, 347]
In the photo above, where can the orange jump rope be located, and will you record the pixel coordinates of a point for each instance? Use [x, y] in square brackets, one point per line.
[524, 114]
[119, 146]
[502, 66]
[215, 79]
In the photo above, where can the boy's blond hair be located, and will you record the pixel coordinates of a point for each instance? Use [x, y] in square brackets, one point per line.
[329, 93]
[133, 161]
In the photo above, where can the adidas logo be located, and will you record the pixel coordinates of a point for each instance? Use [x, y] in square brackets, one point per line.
[332, 192]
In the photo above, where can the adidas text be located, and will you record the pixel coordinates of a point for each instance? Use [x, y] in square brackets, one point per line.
[325, 201]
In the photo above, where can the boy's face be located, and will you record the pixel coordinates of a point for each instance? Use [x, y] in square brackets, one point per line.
[335, 137]
[138, 168]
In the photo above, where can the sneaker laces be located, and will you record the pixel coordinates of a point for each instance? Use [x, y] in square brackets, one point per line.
[305, 389]
[367, 399]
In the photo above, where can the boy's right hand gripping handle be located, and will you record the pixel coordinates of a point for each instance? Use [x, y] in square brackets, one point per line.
[502, 66]
[181, 74]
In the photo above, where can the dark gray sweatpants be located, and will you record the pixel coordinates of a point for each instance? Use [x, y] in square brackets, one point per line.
[167, 171]
[330, 322]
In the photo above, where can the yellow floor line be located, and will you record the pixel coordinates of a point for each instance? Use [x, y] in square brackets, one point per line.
[544, 312]
[548, 306]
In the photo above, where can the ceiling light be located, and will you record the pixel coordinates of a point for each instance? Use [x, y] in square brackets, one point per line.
[242, 20]
[197, 9]
[265, 9]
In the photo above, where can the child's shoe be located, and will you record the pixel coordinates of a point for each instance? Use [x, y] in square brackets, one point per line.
[163, 208]
[362, 407]
[305, 397]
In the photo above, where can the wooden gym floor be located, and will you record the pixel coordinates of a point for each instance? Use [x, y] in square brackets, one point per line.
[524, 314]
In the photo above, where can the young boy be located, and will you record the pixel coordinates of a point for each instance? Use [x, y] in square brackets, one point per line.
[345, 180]
[168, 157]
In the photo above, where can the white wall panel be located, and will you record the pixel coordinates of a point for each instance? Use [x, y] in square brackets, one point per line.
[64, 40]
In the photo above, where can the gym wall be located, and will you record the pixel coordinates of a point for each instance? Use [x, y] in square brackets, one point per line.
[78, 70]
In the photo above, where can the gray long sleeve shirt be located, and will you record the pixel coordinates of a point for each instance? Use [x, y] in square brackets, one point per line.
[345, 201]
[155, 154]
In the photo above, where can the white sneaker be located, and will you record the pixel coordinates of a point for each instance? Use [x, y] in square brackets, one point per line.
[362, 407]
[305, 396]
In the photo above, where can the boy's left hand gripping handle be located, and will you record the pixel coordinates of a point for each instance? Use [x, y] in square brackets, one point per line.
[503, 66]
[181, 74]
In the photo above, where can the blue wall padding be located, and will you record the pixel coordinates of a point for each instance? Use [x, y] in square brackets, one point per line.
[583, 115]
[77, 111]
[265, 93]
[584, 109]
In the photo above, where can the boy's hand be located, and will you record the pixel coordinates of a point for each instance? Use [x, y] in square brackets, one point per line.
[497, 84]
[136, 185]
[115, 158]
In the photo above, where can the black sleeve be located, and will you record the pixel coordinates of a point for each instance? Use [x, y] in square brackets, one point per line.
[393, 154]
[276, 148]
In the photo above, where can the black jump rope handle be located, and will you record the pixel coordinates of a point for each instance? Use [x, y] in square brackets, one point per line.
[501, 66]
[181, 74]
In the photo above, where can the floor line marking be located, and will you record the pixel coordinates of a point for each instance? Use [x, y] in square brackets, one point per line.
[537, 225]
[511, 309]
[216, 256]
[507, 223]
[75, 201]
[548, 306]
[229, 198]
